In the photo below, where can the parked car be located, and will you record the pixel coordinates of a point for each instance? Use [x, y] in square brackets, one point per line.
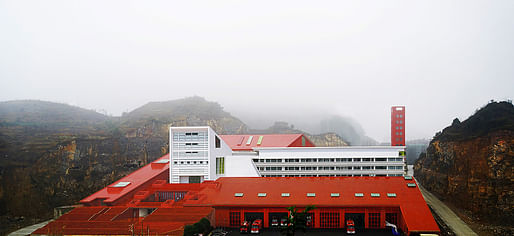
[244, 227]
[274, 222]
[283, 222]
[256, 226]
[308, 221]
[350, 227]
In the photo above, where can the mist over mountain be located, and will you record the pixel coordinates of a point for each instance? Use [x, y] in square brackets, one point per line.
[313, 121]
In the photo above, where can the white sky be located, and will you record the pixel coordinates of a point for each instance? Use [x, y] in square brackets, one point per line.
[441, 59]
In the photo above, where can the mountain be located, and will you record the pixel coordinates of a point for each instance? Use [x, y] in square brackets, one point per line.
[469, 164]
[191, 111]
[55, 154]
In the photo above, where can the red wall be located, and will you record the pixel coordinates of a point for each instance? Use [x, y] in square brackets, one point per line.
[398, 126]
[222, 214]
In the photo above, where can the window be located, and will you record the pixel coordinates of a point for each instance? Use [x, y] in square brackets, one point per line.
[220, 165]
[303, 141]
[235, 219]
[195, 179]
[329, 219]
[292, 168]
[380, 159]
[392, 218]
[218, 142]
[374, 220]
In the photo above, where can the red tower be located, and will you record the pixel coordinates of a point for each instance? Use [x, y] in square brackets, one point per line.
[398, 126]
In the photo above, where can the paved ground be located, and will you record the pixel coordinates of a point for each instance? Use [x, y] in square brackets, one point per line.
[320, 232]
[29, 229]
[446, 214]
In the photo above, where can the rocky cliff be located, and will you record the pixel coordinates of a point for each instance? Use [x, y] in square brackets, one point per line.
[469, 164]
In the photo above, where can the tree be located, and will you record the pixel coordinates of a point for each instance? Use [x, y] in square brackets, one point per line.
[296, 220]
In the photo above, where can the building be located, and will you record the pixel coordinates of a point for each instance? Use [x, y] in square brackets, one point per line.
[229, 179]
[398, 126]
[143, 202]
[199, 154]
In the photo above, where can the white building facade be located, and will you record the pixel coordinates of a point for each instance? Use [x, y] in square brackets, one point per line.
[198, 154]
[331, 161]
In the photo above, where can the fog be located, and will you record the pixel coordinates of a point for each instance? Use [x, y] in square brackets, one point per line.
[297, 61]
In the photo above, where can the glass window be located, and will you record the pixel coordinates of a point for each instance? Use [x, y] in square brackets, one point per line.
[220, 165]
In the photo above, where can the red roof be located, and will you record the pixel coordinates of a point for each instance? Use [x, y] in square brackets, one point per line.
[409, 199]
[247, 142]
[158, 169]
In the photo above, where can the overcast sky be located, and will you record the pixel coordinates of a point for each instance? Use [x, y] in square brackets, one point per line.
[441, 59]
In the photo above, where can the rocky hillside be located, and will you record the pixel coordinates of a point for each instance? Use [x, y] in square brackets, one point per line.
[469, 164]
[54, 154]
[328, 139]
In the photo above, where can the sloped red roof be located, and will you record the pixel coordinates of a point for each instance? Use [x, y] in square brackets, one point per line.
[240, 142]
[157, 169]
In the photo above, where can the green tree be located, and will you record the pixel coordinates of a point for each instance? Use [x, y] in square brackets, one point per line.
[296, 220]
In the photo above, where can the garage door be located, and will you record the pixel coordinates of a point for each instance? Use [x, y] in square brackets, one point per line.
[251, 216]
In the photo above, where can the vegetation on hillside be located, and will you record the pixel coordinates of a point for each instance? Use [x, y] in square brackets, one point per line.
[492, 117]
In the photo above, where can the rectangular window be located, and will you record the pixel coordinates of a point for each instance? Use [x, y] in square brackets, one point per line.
[220, 165]
[249, 141]
[303, 141]
[218, 142]
[259, 142]
[235, 219]
[392, 218]
[374, 220]
[329, 219]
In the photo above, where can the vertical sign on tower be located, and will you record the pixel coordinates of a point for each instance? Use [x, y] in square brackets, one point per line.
[398, 126]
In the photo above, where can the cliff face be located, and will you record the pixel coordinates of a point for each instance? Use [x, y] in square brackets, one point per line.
[470, 164]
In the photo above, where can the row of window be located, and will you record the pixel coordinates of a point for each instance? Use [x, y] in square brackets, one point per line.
[190, 162]
[191, 145]
[337, 175]
[190, 136]
[328, 219]
[190, 154]
[308, 168]
[307, 160]
[399, 127]
[399, 122]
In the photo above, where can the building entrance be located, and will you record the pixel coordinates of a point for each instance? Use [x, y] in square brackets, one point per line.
[358, 219]
[251, 216]
[277, 216]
